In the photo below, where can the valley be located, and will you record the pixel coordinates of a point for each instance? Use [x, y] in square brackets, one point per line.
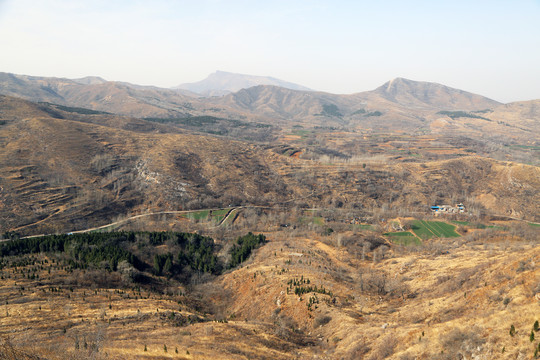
[266, 223]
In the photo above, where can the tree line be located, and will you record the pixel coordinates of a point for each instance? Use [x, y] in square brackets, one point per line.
[105, 250]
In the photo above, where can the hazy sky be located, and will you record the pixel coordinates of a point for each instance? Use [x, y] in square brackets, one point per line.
[487, 47]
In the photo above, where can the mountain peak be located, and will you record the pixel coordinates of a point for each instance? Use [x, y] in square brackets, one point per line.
[402, 83]
[90, 80]
[396, 82]
[223, 82]
[429, 94]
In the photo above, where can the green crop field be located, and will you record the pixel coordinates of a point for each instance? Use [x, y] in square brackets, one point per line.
[312, 219]
[221, 212]
[403, 238]
[219, 215]
[198, 215]
[428, 229]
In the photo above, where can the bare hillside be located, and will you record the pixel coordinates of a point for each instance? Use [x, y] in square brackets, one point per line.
[64, 170]
[74, 173]
[417, 94]
[308, 296]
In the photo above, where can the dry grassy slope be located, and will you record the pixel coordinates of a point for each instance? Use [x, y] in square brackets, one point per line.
[115, 97]
[308, 108]
[525, 114]
[288, 107]
[13, 108]
[502, 187]
[233, 171]
[449, 299]
[61, 171]
[48, 170]
[418, 94]
[399, 105]
[512, 180]
[457, 305]
[61, 310]
[277, 102]
[123, 99]
[507, 124]
[77, 170]
[15, 85]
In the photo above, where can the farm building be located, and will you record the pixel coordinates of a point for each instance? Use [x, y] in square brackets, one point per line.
[448, 209]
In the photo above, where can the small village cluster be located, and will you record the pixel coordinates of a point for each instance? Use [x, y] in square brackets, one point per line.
[448, 209]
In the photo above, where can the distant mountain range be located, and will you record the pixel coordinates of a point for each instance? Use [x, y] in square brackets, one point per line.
[399, 104]
[222, 83]
[399, 98]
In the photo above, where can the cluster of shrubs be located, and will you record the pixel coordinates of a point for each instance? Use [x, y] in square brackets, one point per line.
[243, 247]
[300, 289]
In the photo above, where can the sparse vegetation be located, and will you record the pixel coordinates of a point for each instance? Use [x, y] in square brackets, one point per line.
[345, 271]
[374, 113]
[359, 112]
[77, 110]
[458, 114]
[321, 320]
[331, 110]
[221, 126]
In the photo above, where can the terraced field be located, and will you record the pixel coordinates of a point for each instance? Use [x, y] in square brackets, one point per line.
[216, 215]
[428, 229]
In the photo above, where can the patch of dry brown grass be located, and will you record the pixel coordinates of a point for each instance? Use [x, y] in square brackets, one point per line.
[462, 302]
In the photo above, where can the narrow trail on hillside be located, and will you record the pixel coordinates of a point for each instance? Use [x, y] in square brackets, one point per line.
[118, 222]
[39, 221]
